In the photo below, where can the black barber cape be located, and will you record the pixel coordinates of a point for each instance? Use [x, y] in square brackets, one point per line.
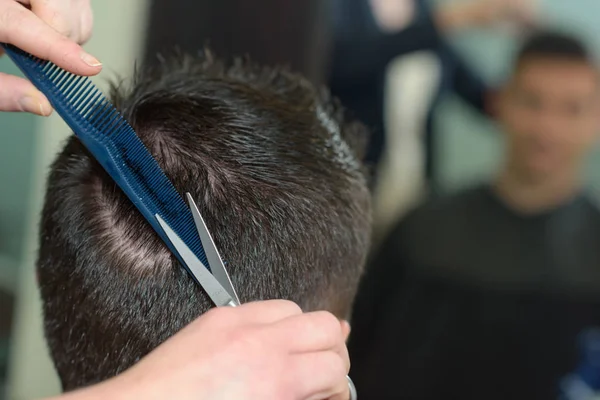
[470, 300]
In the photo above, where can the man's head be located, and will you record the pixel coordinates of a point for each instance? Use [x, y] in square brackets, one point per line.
[274, 167]
[550, 106]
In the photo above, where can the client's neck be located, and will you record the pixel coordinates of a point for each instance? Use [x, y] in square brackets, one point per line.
[532, 195]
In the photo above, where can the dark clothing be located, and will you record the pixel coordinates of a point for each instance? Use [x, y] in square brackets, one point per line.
[470, 300]
[361, 54]
[272, 32]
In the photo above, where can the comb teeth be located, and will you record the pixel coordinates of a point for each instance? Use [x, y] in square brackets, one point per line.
[114, 143]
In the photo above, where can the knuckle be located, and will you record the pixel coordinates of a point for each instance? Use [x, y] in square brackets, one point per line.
[289, 307]
[336, 366]
[61, 25]
[328, 323]
[242, 339]
[87, 23]
[68, 31]
[10, 18]
[219, 316]
[85, 34]
[253, 341]
[61, 50]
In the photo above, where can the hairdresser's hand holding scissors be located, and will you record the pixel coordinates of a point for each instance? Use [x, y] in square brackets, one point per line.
[51, 30]
[266, 350]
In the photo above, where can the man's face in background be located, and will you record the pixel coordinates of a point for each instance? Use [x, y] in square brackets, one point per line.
[550, 109]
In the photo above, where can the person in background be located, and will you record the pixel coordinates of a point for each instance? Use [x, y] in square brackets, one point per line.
[483, 294]
[369, 34]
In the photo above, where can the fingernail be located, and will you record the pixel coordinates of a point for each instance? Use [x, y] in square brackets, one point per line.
[33, 105]
[90, 60]
[45, 109]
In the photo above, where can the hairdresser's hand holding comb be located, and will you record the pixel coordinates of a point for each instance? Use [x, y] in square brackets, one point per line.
[51, 30]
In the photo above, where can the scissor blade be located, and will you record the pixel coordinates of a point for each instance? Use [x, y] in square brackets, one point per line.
[212, 254]
[211, 286]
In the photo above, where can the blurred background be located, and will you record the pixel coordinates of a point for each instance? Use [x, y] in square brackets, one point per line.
[467, 146]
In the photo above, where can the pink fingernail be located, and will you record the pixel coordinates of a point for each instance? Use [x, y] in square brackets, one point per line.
[33, 105]
[29, 104]
[90, 60]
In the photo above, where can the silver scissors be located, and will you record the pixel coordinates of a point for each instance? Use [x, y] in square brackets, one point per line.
[217, 284]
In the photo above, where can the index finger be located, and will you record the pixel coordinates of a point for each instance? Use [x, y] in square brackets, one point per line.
[268, 311]
[21, 28]
[310, 332]
[313, 332]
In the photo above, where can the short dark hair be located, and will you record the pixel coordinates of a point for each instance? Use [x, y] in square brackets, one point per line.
[275, 167]
[553, 45]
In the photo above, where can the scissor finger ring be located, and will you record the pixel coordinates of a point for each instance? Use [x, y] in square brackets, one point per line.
[353, 393]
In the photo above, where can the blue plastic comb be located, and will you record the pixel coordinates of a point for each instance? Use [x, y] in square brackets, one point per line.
[116, 146]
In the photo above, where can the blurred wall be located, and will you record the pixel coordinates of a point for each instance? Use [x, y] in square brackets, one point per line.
[16, 139]
[470, 148]
[15, 172]
[119, 27]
